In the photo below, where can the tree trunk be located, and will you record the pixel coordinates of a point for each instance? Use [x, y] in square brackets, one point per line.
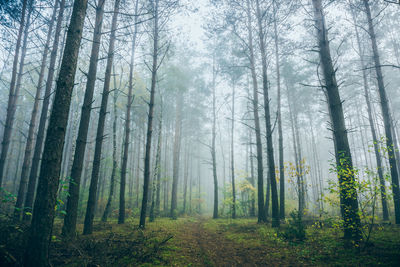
[199, 181]
[260, 170]
[176, 156]
[190, 186]
[18, 159]
[297, 152]
[43, 214]
[90, 209]
[279, 114]
[121, 215]
[13, 106]
[233, 153]
[30, 194]
[69, 227]
[107, 210]
[253, 200]
[317, 167]
[32, 125]
[165, 204]
[139, 156]
[347, 188]
[385, 114]
[147, 157]
[185, 176]
[213, 148]
[378, 157]
[155, 205]
[270, 149]
[12, 97]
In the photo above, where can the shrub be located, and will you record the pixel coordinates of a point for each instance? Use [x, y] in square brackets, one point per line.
[295, 229]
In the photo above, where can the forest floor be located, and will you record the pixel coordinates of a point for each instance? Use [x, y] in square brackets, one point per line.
[201, 241]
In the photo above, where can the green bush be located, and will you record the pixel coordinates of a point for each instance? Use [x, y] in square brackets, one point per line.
[295, 229]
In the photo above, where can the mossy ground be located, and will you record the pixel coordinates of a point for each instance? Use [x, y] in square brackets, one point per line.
[200, 241]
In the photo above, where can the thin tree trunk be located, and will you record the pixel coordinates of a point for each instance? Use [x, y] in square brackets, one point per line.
[43, 214]
[121, 215]
[13, 189]
[176, 156]
[279, 114]
[30, 194]
[165, 206]
[13, 105]
[107, 210]
[213, 148]
[296, 154]
[199, 181]
[69, 227]
[139, 156]
[155, 205]
[372, 126]
[18, 159]
[185, 176]
[260, 170]
[253, 199]
[317, 167]
[90, 210]
[147, 157]
[385, 114]
[270, 149]
[32, 125]
[233, 154]
[12, 97]
[190, 185]
[302, 185]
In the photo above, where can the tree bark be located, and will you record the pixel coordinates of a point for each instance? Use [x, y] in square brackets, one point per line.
[253, 199]
[260, 170]
[107, 210]
[213, 148]
[12, 97]
[43, 214]
[385, 114]
[147, 157]
[185, 176]
[30, 194]
[347, 188]
[90, 209]
[279, 114]
[155, 205]
[176, 156]
[270, 149]
[32, 125]
[378, 157]
[69, 227]
[121, 215]
[297, 153]
[233, 153]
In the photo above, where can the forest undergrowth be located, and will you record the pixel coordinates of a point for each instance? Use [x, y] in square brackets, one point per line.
[200, 241]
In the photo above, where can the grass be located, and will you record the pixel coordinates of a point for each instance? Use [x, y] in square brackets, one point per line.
[322, 246]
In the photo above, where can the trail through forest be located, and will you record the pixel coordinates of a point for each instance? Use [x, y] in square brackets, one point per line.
[207, 246]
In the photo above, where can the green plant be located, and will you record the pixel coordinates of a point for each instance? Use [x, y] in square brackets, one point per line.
[295, 229]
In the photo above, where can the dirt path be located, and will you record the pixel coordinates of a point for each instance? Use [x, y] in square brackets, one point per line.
[210, 248]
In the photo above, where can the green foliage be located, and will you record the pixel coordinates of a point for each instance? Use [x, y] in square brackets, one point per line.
[295, 229]
[63, 194]
[6, 196]
[362, 184]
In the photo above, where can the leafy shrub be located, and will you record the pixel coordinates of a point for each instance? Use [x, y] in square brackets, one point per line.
[295, 229]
